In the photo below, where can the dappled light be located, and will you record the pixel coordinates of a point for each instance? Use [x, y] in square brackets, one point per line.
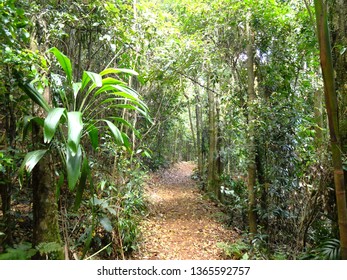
[173, 129]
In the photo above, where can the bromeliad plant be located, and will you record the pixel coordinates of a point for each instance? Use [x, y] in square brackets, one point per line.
[75, 115]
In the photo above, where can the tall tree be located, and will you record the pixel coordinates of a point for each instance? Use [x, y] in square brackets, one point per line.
[338, 14]
[332, 110]
[251, 176]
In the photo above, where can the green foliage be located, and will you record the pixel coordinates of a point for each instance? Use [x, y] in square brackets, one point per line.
[23, 251]
[236, 250]
[235, 199]
[50, 250]
[327, 250]
[5, 162]
[92, 83]
[29, 162]
[115, 216]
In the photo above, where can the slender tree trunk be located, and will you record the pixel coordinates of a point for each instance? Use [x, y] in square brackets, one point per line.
[191, 121]
[332, 110]
[339, 29]
[218, 159]
[252, 219]
[211, 184]
[318, 116]
[198, 132]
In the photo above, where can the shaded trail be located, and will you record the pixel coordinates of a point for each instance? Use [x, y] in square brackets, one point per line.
[181, 224]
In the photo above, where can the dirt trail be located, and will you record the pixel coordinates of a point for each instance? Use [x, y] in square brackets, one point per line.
[181, 224]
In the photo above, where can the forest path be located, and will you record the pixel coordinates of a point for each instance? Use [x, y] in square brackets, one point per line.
[181, 224]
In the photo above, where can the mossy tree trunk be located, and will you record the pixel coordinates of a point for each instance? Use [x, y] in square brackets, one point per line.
[45, 207]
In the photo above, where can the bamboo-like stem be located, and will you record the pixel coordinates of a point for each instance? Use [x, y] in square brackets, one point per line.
[332, 111]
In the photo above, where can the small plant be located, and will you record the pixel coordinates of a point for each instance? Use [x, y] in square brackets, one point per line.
[237, 250]
[50, 250]
[23, 251]
[327, 250]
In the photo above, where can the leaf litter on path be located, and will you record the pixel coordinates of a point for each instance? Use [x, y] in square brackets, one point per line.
[181, 224]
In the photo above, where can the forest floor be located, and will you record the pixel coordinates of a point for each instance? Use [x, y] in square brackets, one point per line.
[182, 224]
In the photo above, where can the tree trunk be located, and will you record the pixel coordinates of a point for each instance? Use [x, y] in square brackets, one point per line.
[332, 110]
[218, 159]
[198, 132]
[339, 43]
[45, 208]
[191, 122]
[252, 219]
[211, 184]
[318, 116]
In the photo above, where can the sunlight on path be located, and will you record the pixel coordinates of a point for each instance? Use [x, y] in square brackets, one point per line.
[181, 224]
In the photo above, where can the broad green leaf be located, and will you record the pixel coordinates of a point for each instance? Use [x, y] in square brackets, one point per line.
[27, 123]
[117, 71]
[126, 141]
[82, 183]
[123, 121]
[75, 126]
[146, 154]
[115, 133]
[76, 88]
[127, 90]
[106, 223]
[73, 166]
[96, 78]
[93, 135]
[112, 89]
[64, 62]
[29, 162]
[91, 76]
[31, 159]
[34, 95]
[85, 80]
[132, 107]
[111, 81]
[133, 102]
[51, 123]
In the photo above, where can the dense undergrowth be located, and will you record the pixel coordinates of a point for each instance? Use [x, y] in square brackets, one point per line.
[105, 226]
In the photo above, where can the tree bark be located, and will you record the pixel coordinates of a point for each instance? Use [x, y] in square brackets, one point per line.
[191, 121]
[45, 208]
[211, 184]
[338, 13]
[318, 116]
[198, 131]
[332, 110]
[218, 158]
[251, 170]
